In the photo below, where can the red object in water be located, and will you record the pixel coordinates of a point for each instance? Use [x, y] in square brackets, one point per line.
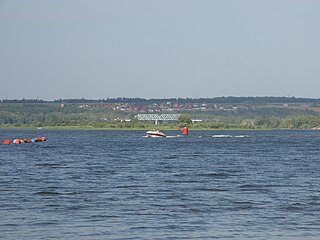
[40, 139]
[27, 140]
[6, 142]
[185, 131]
[16, 141]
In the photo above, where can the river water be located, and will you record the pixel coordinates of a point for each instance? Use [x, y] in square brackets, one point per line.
[120, 185]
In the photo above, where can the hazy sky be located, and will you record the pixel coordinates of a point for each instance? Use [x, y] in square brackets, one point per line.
[51, 49]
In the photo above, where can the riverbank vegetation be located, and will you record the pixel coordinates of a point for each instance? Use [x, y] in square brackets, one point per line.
[94, 116]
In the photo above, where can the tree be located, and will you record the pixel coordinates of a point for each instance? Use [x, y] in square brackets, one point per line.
[184, 119]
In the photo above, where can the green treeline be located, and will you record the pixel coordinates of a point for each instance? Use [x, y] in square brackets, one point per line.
[265, 122]
[52, 115]
[217, 100]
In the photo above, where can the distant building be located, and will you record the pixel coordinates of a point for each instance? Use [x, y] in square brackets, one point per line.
[196, 120]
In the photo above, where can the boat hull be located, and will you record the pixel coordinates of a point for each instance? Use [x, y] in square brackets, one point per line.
[155, 134]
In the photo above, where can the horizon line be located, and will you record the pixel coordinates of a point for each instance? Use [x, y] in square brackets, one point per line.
[147, 99]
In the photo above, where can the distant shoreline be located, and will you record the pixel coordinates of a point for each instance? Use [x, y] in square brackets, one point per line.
[143, 129]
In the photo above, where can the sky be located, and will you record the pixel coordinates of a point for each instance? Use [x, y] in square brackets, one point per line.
[98, 49]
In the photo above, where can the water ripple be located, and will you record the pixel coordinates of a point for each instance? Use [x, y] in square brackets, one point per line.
[117, 185]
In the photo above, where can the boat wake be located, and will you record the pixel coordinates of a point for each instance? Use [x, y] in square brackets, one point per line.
[177, 136]
[230, 136]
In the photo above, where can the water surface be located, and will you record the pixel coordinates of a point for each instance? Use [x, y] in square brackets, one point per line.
[120, 185]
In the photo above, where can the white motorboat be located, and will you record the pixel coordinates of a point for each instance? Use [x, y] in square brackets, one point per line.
[155, 133]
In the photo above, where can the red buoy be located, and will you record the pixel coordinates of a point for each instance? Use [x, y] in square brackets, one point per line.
[16, 141]
[6, 142]
[27, 140]
[40, 139]
[185, 131]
